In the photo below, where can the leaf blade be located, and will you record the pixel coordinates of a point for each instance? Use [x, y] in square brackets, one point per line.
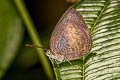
[11, 33]
[103, 17]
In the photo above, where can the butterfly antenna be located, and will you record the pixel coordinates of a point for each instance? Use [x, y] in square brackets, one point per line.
[35, 46]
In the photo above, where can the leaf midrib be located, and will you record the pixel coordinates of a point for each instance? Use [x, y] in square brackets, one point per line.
[106, 4]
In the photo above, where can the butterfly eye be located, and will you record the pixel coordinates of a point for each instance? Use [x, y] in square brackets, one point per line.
[49, 52]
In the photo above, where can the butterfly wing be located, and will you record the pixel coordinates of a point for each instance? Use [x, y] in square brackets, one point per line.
[71, 36]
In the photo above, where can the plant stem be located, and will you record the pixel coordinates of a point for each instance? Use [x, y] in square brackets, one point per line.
[34, 36]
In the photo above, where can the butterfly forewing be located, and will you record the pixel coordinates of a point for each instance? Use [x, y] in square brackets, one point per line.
[71, 36]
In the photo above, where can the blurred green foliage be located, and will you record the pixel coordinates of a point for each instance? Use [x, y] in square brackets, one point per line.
[11, 35]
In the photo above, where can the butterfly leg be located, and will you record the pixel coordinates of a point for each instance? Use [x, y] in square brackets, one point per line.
[68, 61]
[52, 61]
[65, 58]
[57, 62]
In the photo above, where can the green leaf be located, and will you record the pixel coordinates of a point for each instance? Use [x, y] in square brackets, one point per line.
[11, 34]
[103, 17]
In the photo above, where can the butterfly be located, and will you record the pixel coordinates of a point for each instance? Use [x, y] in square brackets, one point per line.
[70, 39]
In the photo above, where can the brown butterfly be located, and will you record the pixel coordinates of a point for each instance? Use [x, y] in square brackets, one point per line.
[71, 38]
